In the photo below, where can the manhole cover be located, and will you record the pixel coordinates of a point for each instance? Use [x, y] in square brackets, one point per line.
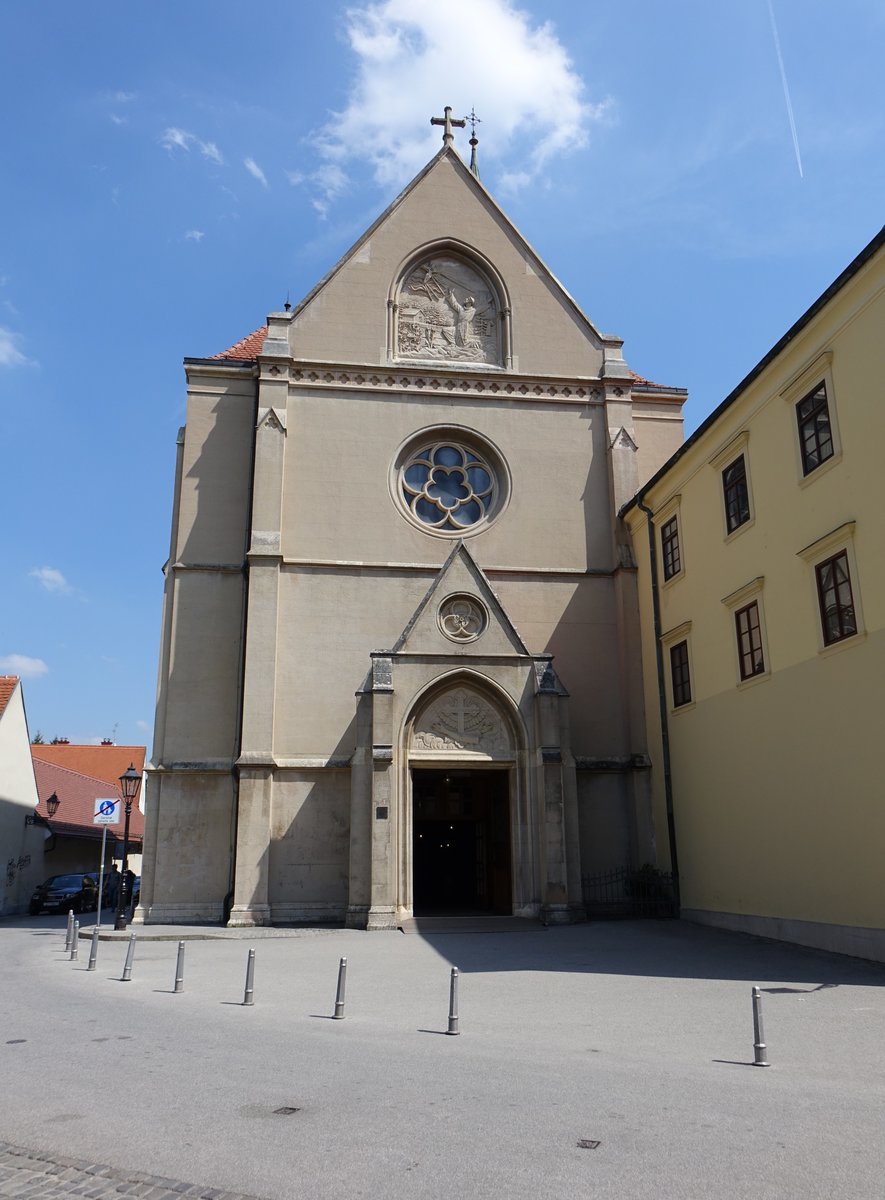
[587, 1144]
[285, 1111]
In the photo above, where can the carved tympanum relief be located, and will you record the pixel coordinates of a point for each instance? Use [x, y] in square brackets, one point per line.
[461, 721]
[461, 618]
[446, 310]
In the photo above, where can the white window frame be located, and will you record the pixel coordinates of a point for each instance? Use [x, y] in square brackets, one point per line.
[832, 543]
[680, 633]
[748, 594]
[664, 514]
[820, 370]
[733, 449]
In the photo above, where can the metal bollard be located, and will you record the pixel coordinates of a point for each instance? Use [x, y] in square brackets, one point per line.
[249, 994]
[339, 996]
[130, 954]
[453, 1003]
[93, 949]
[179, 969]
[75, 942]
[69, 932]
[759, 1047]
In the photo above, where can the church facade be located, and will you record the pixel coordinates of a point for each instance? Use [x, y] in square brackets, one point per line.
[400, 666]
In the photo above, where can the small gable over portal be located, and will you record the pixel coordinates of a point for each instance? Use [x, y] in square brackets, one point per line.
[460, 614]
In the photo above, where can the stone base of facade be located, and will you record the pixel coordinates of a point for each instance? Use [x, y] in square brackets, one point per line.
[381, 917]
[307, 914]
[857, 941]
[249, 916]
[562, 914]
[178, 914]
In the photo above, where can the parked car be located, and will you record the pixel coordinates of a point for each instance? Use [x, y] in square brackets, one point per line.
[62, 892]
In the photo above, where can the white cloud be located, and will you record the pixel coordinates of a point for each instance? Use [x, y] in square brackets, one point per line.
[10, 354]
[180, 139]
[143, 725]
[119, 120]
[173, 137]
[528, 93]
[124, 97]
[21, 664]
[255, 171]
[194, 235]
[52, 580]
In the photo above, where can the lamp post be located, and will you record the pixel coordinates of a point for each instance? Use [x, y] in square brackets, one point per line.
[130, 781]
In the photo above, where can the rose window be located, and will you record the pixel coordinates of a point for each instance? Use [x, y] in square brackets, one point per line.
[461, 618]
[448, 487]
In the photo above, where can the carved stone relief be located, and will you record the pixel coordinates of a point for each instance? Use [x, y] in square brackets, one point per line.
[461, 721]
[447, 311]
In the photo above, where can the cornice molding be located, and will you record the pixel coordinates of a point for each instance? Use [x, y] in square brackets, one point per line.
[489, 385]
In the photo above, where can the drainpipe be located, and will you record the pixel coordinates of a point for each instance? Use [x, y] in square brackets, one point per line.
[662, 702]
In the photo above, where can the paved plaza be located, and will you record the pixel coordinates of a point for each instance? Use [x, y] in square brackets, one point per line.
[605, 1060]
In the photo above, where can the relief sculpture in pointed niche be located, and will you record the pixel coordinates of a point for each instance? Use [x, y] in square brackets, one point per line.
[461, 720]
[447, 310]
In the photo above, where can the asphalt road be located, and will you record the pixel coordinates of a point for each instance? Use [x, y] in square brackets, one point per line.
[634, 1035]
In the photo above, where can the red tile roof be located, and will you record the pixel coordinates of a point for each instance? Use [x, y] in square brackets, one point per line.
[246, 349]
[101, 762]
[7, 687]
[78, 794]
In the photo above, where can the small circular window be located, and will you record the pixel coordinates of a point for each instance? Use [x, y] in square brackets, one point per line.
[462, 618]
[448, 483]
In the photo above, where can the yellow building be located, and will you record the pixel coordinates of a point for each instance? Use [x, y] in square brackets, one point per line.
[759, 548]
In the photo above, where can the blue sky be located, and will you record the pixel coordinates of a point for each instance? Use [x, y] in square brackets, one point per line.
[170, 172]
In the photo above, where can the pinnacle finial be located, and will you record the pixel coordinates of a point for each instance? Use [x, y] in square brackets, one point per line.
[474, 140]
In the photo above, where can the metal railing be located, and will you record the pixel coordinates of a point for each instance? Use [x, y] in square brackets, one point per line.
[624, 892]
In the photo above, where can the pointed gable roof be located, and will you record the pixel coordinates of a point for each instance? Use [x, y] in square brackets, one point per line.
[460, 575]
[473, 181]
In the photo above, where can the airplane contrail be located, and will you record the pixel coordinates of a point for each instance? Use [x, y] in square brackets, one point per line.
[780, 59]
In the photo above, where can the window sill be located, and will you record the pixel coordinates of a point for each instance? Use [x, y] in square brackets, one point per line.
[762, 677]
[735, 533]
[682, 708]
[843, 644]
[821, 470]
[680, 574]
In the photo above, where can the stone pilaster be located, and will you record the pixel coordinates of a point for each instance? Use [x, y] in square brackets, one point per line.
[256, 762]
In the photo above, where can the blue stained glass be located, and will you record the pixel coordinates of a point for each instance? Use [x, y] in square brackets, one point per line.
[467, 514]
[416, 476]
[471, 458]
[479, 479]
[448, 456]
[428, 512]
[447, 487]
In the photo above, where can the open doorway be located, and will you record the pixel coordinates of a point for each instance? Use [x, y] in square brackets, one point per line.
[461, 830]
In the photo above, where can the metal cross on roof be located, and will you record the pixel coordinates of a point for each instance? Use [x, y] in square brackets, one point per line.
[448, 121]
[474, 121]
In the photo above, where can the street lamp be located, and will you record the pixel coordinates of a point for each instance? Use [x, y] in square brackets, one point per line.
[35, 818]
[130, 781]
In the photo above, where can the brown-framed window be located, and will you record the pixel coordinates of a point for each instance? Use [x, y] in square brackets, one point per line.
[836, 599]
[749, 636]
[679, 674]
[670, 548]
[737, 494]
[815, 431]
